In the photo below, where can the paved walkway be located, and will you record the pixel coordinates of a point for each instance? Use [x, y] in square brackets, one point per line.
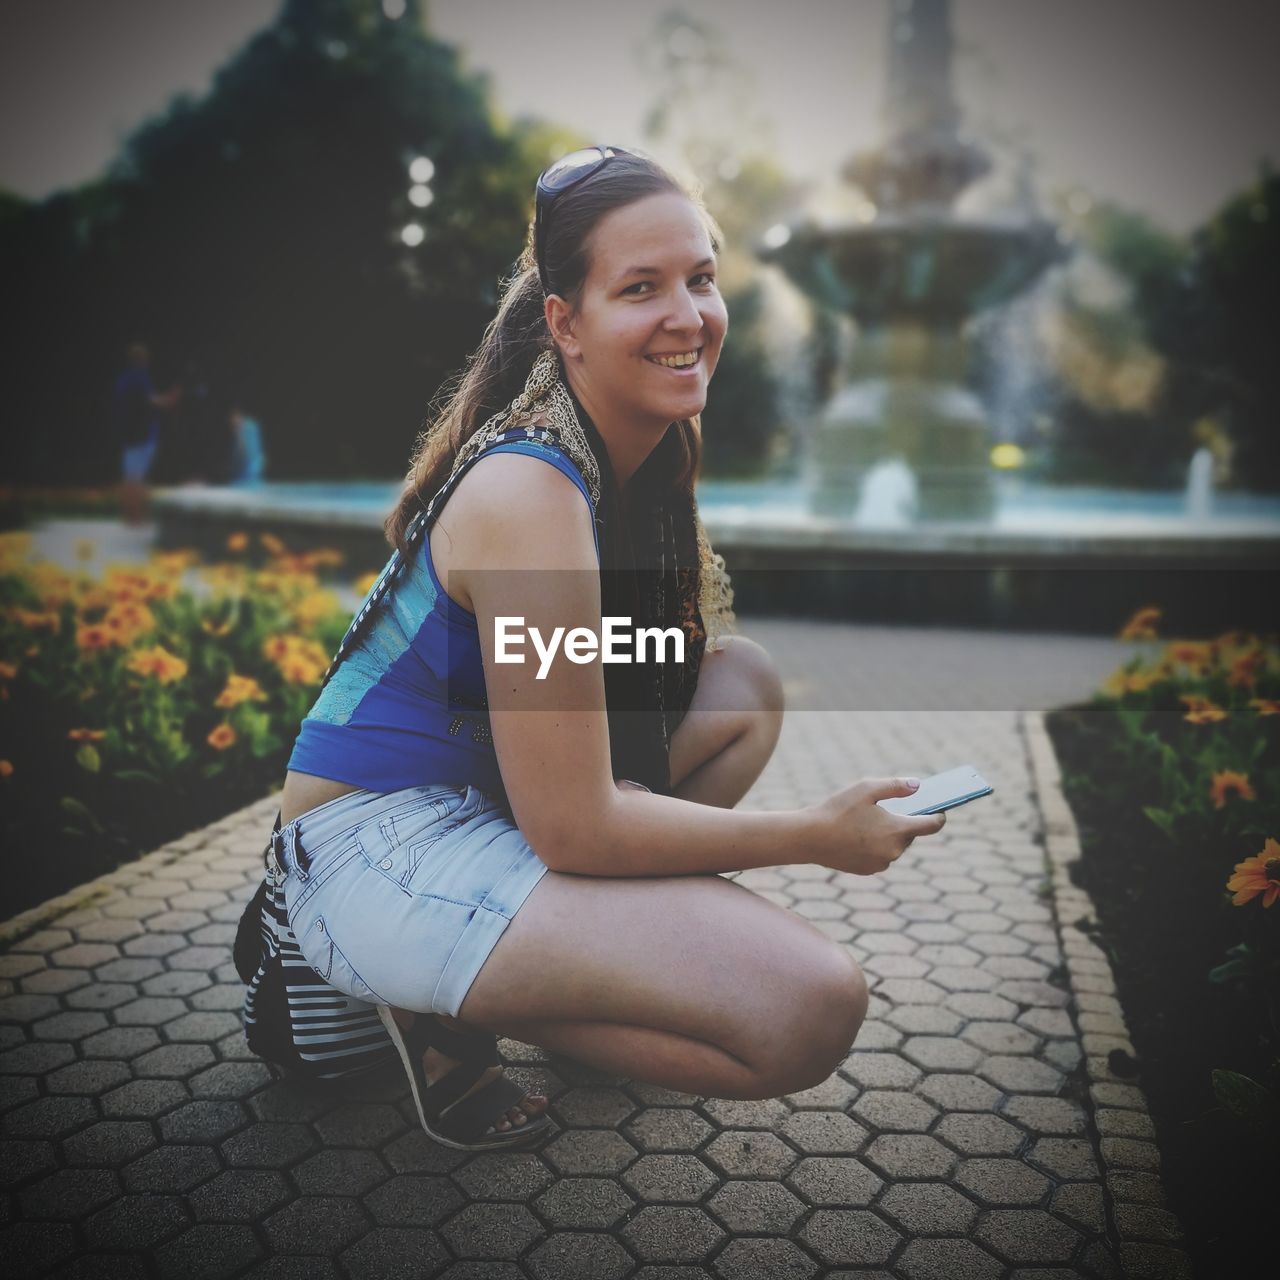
[960, 1138]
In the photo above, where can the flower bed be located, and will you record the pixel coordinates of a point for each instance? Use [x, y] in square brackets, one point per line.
[148, 700]
[1173, 773]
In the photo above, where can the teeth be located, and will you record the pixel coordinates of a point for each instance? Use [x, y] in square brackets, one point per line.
[676, 362]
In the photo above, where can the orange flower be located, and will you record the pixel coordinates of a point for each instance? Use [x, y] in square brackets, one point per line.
[95, 636]
[1119, 682]
[271, 544]
[238, 542]
[326, 556]
[240, 689]
[6, 769]
[215, 628]
[1257, 875]
[1266, 706]
[86, 735]
[8, 670]
[297, 670]
[221, 737]
[128, 620]
[172, 562]
[1228, 782]
[1244, 669]
[33, 619]
[1142, 626]
[1200, 710]
[159, 662]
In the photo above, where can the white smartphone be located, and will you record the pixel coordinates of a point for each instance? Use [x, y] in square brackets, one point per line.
[941, 791]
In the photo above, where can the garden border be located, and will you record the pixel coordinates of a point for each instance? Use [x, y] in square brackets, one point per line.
[1149, 1236]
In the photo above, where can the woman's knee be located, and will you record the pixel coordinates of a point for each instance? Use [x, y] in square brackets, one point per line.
[755, 669]
[827, 1012]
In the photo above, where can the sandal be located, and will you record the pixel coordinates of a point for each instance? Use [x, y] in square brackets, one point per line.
[454, 1123]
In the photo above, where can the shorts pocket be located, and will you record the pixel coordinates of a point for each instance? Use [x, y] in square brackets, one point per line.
[330, 962]
[322, 869]
[407, 837]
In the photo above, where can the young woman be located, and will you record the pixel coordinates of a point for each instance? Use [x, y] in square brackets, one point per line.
[526, 849]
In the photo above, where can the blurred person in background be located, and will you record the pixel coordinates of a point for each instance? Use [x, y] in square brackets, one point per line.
[135, 417]
[248, 460]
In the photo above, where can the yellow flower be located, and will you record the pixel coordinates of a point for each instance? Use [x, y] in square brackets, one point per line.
[1227, 782]
[315, 607]
[1196, 656]
[364, 584]
[215, 628]
[159, 662]
[240, 689]
[1257, 875]
[1119, 682]
[1245, 668]
[95, 636]
[1142, 626]
[237, 543]
[86, 735]
[172, 562]
[221, 737]
[1205, 715]
[6, 768]
[128, 621]
[326, 556]
[271, 544]
[1266, 706]
[34, 620]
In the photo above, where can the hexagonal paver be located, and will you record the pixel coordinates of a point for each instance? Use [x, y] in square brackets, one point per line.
[592, 1107]
[849, 1237]
[339, 1171]
[662, 1233]
[668, 1129]
[881, 1071]
[597, 1203]
[669, 1178]
[1073, 1158]
[910, 1155]
[239, 1195]
[315, 1224]
[928, 1208]
[818, 1133]
[953, 1259]
[835, 1180]
[1001, 1037]
[569, 1253]
[756, 1207]
[1027, 1235]
[979, 1134]
[893, 1111]
[750, 1155]
[1002, 1182]
[392, 1251]
[735, 1113]
[959, 1092]
[1021, 1075]
[109, 1142]
[136, 1222]
[754, 1258]
[496, 1175]
[941, 1053]
[599, 1151]
[1046, 1115]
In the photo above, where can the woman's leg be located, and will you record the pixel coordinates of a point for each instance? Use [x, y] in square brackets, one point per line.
[719, 750]
[731, 728]
[690, 982]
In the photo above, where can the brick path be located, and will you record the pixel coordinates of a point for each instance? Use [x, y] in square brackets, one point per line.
[959, 1139]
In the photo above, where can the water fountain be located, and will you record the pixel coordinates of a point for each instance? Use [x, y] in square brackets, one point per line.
[912, 272]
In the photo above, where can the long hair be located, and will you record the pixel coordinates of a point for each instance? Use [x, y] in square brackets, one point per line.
[496, 371]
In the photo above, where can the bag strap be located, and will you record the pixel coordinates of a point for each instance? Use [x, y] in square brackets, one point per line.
[414, 534]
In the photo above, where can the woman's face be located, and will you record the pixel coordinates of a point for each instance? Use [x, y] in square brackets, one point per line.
[650, 295]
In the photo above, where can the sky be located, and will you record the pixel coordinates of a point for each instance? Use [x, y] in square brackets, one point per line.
[1164, 105]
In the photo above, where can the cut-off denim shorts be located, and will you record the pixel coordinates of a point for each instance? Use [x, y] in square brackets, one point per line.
[399, 898]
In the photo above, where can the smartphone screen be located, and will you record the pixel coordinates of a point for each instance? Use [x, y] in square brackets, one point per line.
[941, 791]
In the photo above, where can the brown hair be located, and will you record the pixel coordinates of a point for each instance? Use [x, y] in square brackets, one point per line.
[496, 371]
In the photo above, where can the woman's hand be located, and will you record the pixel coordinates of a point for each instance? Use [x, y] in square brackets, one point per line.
[855, 834]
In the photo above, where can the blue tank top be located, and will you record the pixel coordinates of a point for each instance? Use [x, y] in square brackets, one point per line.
[407, 705]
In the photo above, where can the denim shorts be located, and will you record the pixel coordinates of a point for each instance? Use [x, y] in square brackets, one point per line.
[399, 898]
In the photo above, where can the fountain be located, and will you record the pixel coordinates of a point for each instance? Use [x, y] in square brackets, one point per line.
[912, 272]
[1200, 484]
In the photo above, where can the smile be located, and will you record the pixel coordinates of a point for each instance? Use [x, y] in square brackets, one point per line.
[678, 360]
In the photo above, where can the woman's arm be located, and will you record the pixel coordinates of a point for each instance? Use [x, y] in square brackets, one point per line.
[522, 547]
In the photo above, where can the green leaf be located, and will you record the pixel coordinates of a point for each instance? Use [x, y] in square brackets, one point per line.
[1161, 817]
[1246, 1098]
[87, 757]
[79, 814]
[136, 775]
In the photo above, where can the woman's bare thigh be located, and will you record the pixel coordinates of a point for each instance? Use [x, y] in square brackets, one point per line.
[699, 955]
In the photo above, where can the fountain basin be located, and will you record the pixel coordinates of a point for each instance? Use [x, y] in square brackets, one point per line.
[1067, 559]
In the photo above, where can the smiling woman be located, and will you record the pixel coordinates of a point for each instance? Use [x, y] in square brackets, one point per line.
[454, 823]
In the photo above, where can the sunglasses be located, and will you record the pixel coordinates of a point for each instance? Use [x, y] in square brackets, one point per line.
[554, 181]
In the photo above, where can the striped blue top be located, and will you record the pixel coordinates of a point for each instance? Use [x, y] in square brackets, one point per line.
[407, 705]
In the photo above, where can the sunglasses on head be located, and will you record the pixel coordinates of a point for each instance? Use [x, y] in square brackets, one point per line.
[554, 181]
